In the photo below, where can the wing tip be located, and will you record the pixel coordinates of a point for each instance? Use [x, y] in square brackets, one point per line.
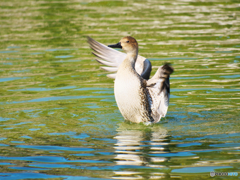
[112, 76]
[89, 39]
[110, 69]
[168, 67]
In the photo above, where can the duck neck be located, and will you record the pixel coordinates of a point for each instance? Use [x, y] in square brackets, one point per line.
[132, 57]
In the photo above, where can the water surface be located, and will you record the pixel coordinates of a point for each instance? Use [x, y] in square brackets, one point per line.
[58, 115]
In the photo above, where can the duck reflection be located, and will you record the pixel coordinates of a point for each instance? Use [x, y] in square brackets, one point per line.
[136, 148]
[128, 148]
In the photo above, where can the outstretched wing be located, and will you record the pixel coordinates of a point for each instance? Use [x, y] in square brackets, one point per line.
[159, 90]
[113, 58]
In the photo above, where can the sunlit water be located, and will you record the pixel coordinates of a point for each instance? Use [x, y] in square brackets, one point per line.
[58, 116]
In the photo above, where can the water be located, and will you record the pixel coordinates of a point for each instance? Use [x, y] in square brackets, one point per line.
[58, 116]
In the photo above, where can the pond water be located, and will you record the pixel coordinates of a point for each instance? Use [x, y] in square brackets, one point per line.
[58, 115]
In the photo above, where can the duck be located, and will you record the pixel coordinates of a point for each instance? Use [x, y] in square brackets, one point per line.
[140, 99]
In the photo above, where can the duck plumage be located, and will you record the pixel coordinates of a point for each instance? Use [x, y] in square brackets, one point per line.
[139, 98]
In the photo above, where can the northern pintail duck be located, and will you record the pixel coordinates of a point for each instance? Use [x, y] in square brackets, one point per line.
[139, 98]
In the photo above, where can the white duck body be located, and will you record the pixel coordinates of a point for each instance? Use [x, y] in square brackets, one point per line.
[130, 93]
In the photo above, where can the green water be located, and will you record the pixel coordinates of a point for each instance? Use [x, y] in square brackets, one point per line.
[58, 115]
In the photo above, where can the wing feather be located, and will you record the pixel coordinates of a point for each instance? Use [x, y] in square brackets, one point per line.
[113, 58]
[159, 90]
[105, 62]
[110, 69]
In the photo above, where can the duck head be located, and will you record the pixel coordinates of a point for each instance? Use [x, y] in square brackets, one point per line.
[128, 44]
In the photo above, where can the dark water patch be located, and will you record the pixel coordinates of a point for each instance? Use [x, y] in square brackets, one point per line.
[215, 137]
[197, 106]
[21, 71]
[27, 137]
[175, 154]
[4, 119]
[72, 135]
[54, 99]
[34, 129]
[64, 61]
[196, 114]
[226, 145]
[92, 105]
[231, 76]
[104, 92]
[201, 169]
[189, 144]
[28, 168]
[223, 52]
[12, 79]
[58, 148]
[91, 161]
[8, 52]
[64, 56]
[83, 154]
[30, 112]
[197, 77]
[21, 123]
[6, 164]
[45, 89]
[174, 96]
[93, 89]
[8, 63]
[13, 47]
[107, 140]
[205, 89]
[17, 142]
[49, 159]
[4, 145]
[172, 58]
[65, 49]
[52, 165]
[32, 175]
[36, 53]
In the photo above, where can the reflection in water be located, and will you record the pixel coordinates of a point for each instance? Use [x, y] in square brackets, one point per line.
[135, 149]
[150, 153]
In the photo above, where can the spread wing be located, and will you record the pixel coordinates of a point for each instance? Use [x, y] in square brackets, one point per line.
[159, 90]
[112, 59]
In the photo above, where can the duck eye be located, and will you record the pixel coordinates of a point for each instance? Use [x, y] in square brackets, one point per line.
[127, 41]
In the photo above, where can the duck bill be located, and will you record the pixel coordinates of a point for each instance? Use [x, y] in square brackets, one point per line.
[118, 45]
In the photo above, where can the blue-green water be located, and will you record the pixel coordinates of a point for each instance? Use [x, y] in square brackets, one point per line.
[58, 115]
